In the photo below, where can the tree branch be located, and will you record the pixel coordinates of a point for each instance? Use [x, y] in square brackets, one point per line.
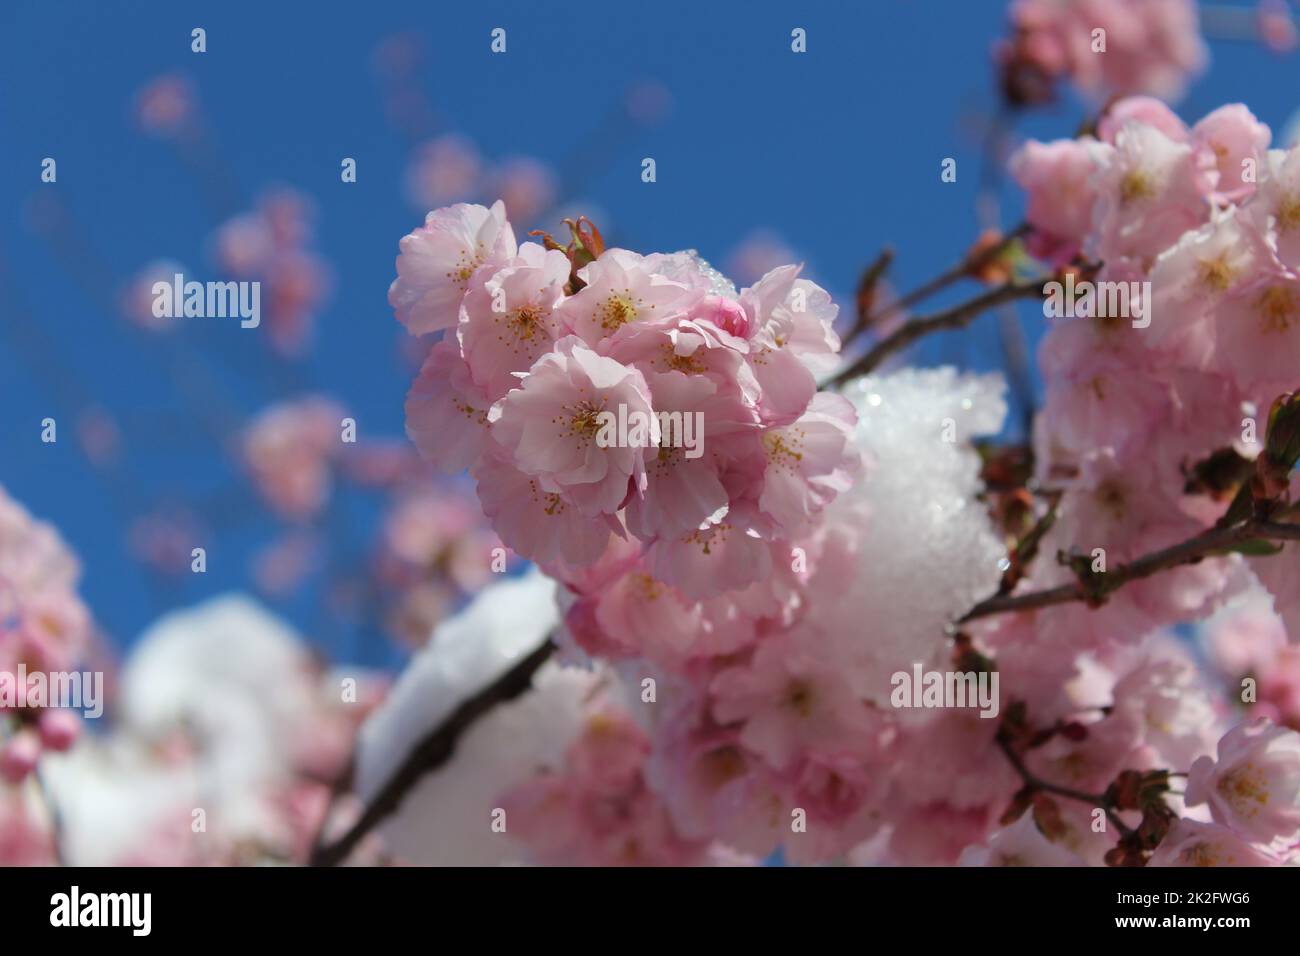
[433, 751]
[1035, 783]
[969, 265]
[956, 317]
[1203, 545]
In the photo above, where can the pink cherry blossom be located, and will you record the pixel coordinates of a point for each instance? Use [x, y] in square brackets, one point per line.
[809, 462]
[1020, 844]
[443, 170]
[1277, 202]
[1192, 843]
[1257, 332]
[540, 525]
[1151, 190]
[550, 427]
[623, 293]
[1237, 141]
[1146, 110]
[289, 449]
[598, 810]
[787, 699]
[446, 413]
[1057, 179]
[1253, 787]
[1152, 47]
[791, 340]
[42, 618]
[507, 318]
[438, 259]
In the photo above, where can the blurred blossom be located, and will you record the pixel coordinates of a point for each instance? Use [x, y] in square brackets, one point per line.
[43, 621]
[1277, 26]
[18, 755]
[756, 255]
[399, 53]
[396, 61]
[166, 105]
[295, 285]
[224, 709]
[289, 449]
[445, 170]
[418, 611]
[439, 532]
[270, 245]
[245, 244]
[99, 436]
[526, 185]
[383, 463]
[648, 102]
[1151, 47]
[281, 567]
[24, 838]
[164, 538]
[137, 298]
[1248, 639]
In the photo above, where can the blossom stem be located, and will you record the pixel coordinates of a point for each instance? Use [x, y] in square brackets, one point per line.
[961, 270]
[1034, 782]
[1187, 552]
[957, 317]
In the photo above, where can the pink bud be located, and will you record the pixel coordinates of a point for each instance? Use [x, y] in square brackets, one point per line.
[726, 314]
[59, 729]
[18, 757]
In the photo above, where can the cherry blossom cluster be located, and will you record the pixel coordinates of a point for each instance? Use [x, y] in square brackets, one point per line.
[1203, 223]
[271, 244]
[770, 597]
[1139, 405]
[536, 345]
[219, 707]
[1104, 47]
[44, 626]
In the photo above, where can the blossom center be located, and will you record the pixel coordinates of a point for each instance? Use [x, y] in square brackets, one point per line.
[1277, 309]
[1288, 213]
[617, 312]
[583, 421]
[1246, 789]
[1134, 186]
[526, 322]
[799, 697]
[1215, 274]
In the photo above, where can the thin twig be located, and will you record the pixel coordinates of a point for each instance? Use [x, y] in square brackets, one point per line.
[1191, 551]
[956, 317]
[1036, 783]
[961, 270]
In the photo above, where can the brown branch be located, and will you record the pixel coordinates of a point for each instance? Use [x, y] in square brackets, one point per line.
[433, 751]
[1036, 783]
[959, 316]
[866, 295]
[1207, 543]
[963, 269]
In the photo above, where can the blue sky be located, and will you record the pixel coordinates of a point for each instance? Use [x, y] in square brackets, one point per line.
[838, 150]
